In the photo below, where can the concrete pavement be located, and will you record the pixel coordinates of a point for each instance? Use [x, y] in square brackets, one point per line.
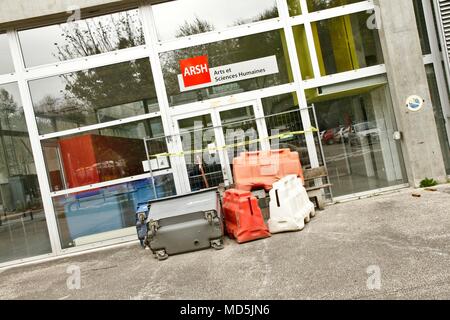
[407, 238]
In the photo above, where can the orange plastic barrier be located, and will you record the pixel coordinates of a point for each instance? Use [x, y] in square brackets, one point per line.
[261, 169]
[243, 218]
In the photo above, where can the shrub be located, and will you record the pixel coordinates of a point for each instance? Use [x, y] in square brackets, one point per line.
[426, 183]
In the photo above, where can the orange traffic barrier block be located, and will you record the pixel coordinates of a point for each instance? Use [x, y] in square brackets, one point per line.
[243, 218]
[261, 169]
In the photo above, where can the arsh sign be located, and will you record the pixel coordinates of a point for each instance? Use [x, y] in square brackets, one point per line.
[196, 73]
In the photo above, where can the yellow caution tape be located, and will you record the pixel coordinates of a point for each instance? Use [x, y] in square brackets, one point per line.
[235, 145]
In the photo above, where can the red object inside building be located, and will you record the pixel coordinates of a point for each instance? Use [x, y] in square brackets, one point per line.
[91, 159]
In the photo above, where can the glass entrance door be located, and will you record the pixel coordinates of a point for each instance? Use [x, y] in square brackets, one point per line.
[357, 136]
[210, 141]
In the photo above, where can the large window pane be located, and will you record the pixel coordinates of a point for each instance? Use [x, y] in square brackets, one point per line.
[262, 45]
[346, 43]
[94, 96]
[23, 229]
[188, 17]
[106, 213]
[6, 64]
[104, 154]
[82, 38]
[303, 52]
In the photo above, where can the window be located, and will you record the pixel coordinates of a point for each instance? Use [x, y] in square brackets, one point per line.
[94, 96]
[71, 40]
[269, 45]
[6, 63]
[106, 213]
[303, 52]
[422, 27]
[104, 154]
[316, 5]
[23, 228]
[184, 18]
[346, 43]
[294, 7]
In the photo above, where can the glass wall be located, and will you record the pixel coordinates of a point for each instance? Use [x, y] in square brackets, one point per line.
[23, 228]
[103, 155]
[94, 96]
[107, 213]
[357, 130]
[6, 63]
[262, 45]
[81, 38]
[178, 19]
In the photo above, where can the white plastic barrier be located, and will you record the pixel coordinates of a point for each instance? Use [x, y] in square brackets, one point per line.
[290, 207]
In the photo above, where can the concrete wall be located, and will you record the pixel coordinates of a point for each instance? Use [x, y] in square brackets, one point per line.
[14, 13]
[407, 76]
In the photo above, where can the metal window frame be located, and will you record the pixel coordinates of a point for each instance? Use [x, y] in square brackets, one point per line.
[151, 50]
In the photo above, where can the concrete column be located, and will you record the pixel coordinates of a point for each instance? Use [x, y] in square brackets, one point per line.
[406, 74]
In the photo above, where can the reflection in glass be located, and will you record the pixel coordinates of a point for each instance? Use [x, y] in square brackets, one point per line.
[226, 52]
[106, 213]
[82, 38]
[346, 43]
[104, 154]
[203, 167]
[23, 228]
[6, 63]
[357, 137]
[315, 5]
[94, 96]
[184, 18]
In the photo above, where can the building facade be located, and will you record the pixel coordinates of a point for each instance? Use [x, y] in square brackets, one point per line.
[108, 104]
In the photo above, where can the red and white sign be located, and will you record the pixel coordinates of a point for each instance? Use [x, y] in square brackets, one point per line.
[195, 71]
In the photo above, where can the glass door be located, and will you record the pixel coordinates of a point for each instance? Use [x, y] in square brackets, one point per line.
[199, 143]
[212, 139]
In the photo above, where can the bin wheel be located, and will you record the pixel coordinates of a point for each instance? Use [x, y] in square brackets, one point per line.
[162, 255]
[308, 218]
[217, 244]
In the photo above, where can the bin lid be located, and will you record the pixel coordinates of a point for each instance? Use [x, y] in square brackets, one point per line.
[185, 204]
